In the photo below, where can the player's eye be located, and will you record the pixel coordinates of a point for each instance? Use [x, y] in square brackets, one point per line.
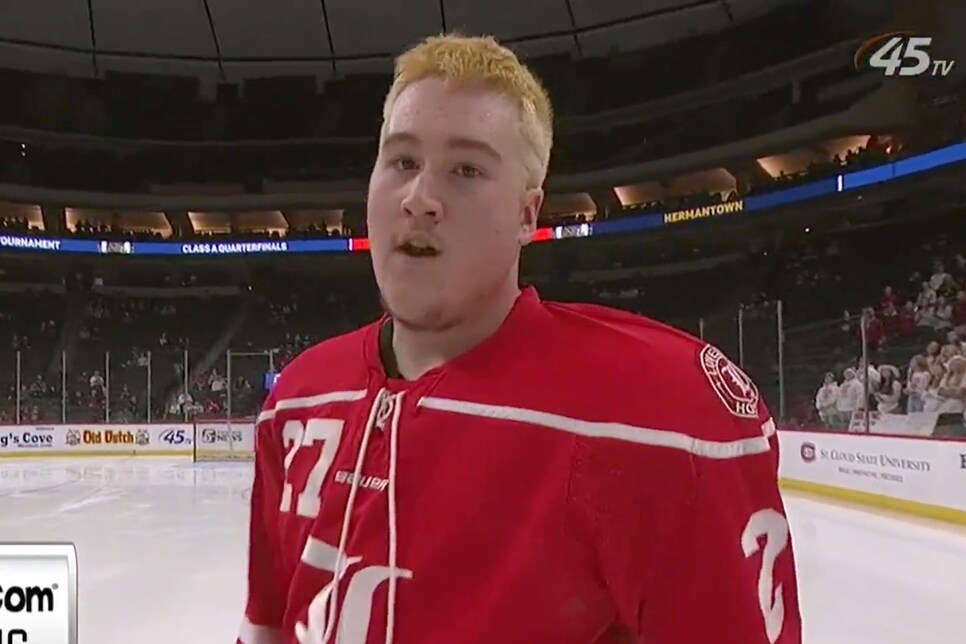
[468, 171]
[404, 163]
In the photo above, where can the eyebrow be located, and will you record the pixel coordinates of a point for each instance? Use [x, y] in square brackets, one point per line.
[455, 142]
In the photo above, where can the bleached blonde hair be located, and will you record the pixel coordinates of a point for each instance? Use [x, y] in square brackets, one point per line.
[481, 59]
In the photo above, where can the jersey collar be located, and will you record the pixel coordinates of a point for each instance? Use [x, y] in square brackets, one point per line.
[381, 360]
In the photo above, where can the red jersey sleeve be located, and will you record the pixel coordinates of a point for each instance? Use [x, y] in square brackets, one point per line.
[267, 586]
[687, 521]
[728, 573]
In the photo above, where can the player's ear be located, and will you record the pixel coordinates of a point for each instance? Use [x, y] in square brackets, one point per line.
[532, 203]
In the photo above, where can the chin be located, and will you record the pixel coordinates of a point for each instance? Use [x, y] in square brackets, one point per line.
[420, 313]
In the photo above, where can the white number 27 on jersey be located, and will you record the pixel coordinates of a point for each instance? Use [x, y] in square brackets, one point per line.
[295, 435]
[774, 527]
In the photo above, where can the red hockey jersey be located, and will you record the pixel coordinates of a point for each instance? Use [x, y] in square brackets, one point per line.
[583, 476]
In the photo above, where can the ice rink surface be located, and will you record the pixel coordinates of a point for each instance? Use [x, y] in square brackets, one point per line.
[161, 551]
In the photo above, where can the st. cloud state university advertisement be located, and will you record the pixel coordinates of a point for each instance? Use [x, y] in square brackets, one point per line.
[926, 471]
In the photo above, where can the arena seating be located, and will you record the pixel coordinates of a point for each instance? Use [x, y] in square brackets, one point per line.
[855, 159]
[920, 312]
[114, 337]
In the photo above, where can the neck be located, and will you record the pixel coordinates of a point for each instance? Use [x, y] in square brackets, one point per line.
[420, 351]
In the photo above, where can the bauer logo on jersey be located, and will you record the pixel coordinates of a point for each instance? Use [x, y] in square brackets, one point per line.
[735, 389]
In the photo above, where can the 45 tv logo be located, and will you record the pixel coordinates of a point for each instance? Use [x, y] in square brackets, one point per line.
[902, 54]
[176, 437]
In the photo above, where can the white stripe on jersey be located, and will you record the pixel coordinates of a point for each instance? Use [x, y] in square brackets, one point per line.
[311, 401]
[619, 431]
[769, 429]
[591, 429]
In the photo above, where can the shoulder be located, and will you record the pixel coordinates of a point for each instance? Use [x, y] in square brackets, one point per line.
[655, 377]
[330, 365]
[682, 426]
[612, 329]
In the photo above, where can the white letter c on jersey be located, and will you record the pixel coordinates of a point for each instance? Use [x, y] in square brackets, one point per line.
[774, 527]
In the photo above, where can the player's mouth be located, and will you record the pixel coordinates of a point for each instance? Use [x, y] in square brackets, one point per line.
[418, 250]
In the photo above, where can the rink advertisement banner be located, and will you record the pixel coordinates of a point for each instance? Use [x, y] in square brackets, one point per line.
[913, 470]
[96, 440]
[25, 438]
[39, 593]
[217, 441]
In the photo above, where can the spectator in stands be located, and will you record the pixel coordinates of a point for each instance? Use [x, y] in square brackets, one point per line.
[217, 382]
[959, 272]
[889, 298]
[932, 353]
[850, 398]
[933, 401]
[958, 317]
[949, 351]
[907, 319]
[890, 319]
[939, 275]
[927, 296]
[848, 325]
[875, 378]
[955, 343]
[913, 285]
[874, 329]
[952, 392]
[944, 313]
[183, 404]
[949, 289]
[927, 318]
[916, 384]
[212, 407]
[825, 400]
[889, 390]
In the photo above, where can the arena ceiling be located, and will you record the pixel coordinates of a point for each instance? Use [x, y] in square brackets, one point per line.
[230, 40]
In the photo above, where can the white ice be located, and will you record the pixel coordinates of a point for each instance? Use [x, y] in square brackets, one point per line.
[161, 545]
[162, 552]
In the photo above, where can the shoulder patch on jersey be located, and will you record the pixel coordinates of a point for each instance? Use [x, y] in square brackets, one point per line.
[735, 389]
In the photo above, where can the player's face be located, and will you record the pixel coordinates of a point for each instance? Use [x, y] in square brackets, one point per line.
[448, 208]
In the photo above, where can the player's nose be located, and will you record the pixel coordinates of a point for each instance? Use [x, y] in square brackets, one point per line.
[422, 198]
